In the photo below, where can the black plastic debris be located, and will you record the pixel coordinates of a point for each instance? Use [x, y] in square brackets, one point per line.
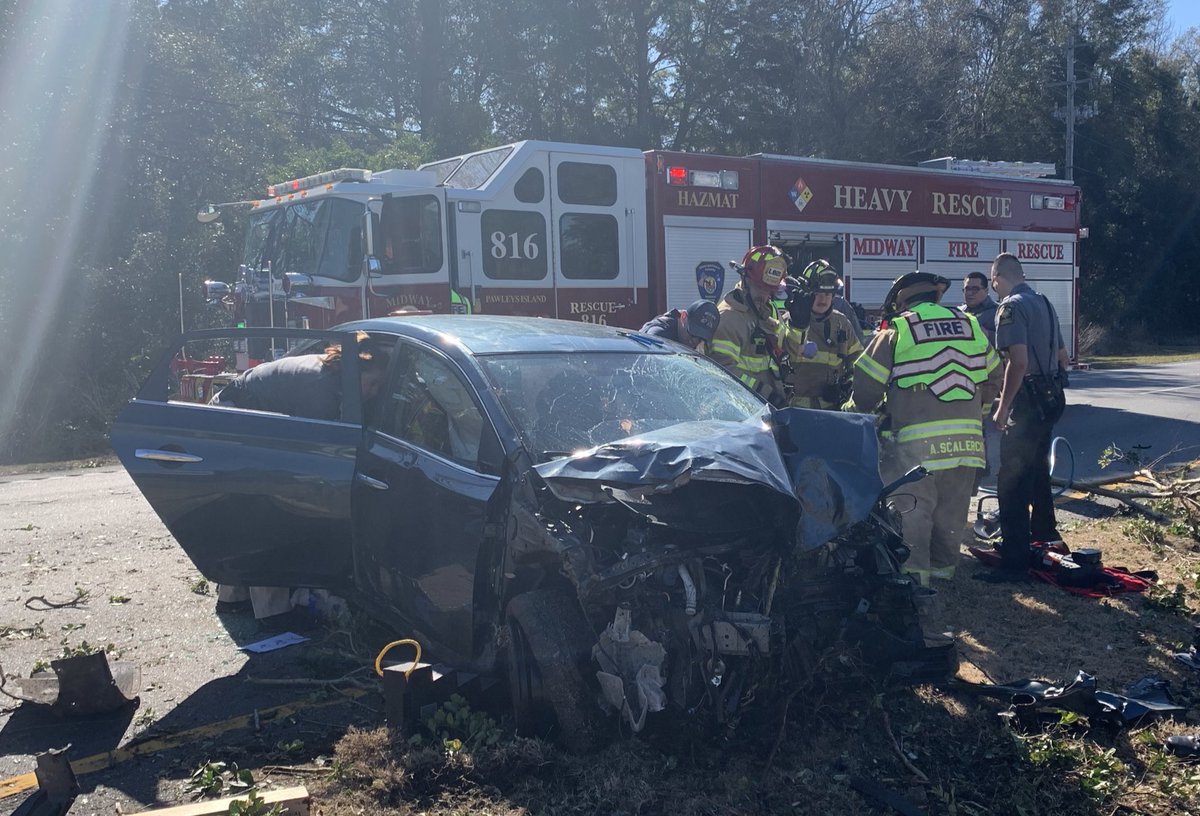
[1190, 658]
[57, 786]
[1032, 700]
[1183, 746]
[83, 684]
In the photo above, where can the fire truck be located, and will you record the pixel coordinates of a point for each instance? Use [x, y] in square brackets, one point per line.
[616, 235]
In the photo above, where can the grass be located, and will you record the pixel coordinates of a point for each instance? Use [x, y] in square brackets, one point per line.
[1148, 355]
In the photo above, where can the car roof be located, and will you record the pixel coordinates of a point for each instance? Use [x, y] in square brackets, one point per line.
[500, 334]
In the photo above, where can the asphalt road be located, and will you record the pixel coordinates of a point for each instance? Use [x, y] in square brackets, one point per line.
[1153, 410]
[90, 532]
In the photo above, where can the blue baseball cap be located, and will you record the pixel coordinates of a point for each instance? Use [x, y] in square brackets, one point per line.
[702, 320]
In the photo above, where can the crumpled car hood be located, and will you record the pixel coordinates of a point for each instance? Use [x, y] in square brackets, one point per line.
[819, 468]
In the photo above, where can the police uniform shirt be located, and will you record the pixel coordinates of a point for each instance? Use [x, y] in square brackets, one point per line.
[1026, 318]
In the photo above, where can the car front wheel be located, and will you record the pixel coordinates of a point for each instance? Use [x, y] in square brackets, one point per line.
[549, 651]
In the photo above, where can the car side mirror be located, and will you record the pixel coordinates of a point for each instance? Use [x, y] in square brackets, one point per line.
[374, 266]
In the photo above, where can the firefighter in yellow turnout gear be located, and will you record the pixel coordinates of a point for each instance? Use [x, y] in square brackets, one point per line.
[933, 370]
[818, 381]
[755, 340]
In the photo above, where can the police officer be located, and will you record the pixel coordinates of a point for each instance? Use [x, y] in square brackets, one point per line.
[693, 326]
[755, 340]
[931, 368]
[817, 381]
[1028, 336]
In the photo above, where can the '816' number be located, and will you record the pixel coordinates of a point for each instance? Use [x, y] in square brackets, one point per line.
[513, 246]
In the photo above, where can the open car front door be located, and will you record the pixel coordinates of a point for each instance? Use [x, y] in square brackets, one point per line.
[252, 497]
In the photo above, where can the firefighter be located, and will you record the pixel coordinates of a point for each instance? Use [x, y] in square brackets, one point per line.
[460, 303]
[693, 326]
[932, 369]
[822, 381]
[754, 339]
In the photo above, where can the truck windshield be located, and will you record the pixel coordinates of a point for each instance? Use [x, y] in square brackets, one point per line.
[320, 238]
[257, 249]
[569, 401]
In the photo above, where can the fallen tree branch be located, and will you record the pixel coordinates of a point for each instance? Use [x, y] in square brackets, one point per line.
[1125, 498]
[913, 769]
[782, 728]
[71, 604]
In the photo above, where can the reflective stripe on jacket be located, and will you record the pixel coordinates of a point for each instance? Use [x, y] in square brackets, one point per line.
[933, 382]
[837, 347]
[749, 346]
[943, 349]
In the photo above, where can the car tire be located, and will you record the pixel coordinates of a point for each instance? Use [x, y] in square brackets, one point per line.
[549, 649]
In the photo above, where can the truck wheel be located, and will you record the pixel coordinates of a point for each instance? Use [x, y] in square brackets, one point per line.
[550, 647]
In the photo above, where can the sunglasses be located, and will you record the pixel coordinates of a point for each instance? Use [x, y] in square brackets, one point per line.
[972, 289]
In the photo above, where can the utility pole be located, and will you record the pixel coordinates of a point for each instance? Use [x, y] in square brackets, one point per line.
[1071, 114]
[1070, 106]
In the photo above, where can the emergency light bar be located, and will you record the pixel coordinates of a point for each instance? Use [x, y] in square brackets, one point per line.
[720, 179]
[308, 182]
[992, 168]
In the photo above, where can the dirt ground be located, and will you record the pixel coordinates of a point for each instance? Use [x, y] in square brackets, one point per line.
[941, 749]
[838, 748]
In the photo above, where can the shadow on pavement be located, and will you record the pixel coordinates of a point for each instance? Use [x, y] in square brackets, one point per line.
[33, 729]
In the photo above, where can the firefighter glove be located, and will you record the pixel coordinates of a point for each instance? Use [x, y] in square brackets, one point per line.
[799, 308]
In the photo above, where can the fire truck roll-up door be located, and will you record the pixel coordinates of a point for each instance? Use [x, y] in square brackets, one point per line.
[598, 222]
[698, 252]
[804, 245]
[412, 250]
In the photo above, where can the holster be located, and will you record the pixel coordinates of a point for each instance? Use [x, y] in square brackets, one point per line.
[1045, 395]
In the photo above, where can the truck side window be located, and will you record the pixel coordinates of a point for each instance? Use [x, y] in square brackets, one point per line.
[586, 183]
[514, 245]
[412, 235]
[589, 246]
[530, 187]
[342, 255]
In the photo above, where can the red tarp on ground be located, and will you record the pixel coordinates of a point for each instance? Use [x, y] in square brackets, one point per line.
[1119, 579]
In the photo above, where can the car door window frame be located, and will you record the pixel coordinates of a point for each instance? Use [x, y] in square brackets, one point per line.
[489, 454]
[156, 388]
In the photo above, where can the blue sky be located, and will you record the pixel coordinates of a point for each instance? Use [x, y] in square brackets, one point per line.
[1184, 14]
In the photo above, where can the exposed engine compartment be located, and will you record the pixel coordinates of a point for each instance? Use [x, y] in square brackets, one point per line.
[703, 590]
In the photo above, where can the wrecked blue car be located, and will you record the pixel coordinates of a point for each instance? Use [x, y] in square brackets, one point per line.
[612, 523]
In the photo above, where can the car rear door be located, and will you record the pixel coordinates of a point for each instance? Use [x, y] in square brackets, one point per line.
[428, 503]
[252, 497]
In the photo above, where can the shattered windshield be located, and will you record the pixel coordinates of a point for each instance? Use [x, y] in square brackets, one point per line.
[568, 401]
